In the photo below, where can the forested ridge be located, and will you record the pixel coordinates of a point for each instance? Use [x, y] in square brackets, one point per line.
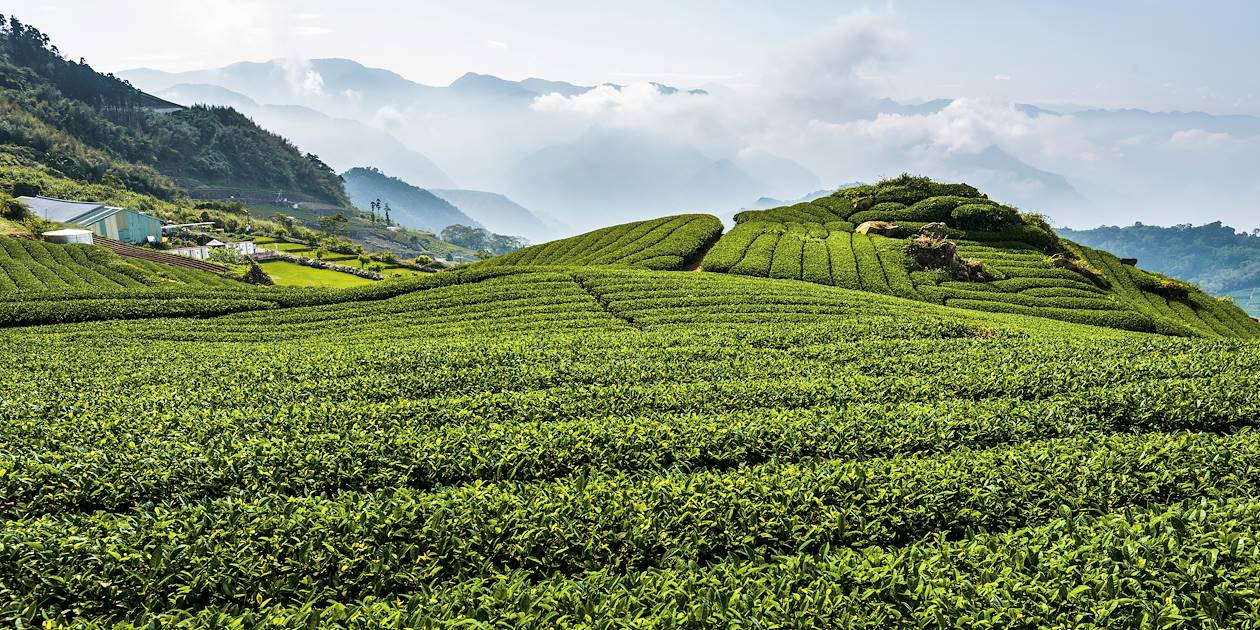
[97, 128]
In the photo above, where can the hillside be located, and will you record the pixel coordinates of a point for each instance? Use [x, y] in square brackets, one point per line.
[1026, 267]
[410, 205]
[617, 444]
[1213, 256]
[97, 128]
[34, 266]
[668, 243]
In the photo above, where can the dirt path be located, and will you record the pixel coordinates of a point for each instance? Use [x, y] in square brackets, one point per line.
[699, 258]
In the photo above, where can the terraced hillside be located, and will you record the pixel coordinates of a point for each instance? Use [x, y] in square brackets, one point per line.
[819, 242]
[29, 265]
[574, 446]
[668, 243]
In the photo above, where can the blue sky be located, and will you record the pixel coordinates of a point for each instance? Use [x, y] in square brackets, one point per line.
[1155, 55]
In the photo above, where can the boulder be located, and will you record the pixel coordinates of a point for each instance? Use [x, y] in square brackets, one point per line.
[936, 231]
[938, 253]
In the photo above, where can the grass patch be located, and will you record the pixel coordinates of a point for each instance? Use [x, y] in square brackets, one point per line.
[287, 274]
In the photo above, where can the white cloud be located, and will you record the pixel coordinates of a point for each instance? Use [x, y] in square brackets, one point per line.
[303, 80]
[1201, 141]
[633, 99]
[1001, 77]
[387, 117]
[496, 44]
[834, 71]
[964, 126]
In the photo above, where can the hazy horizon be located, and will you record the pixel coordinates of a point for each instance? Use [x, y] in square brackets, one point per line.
[794, 101]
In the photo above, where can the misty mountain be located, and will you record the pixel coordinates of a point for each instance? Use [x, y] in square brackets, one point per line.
[343, 87]
[612, 175]
[409, 205]
[343, 143]
[500, 214]
[1003, 170]
[205, 94]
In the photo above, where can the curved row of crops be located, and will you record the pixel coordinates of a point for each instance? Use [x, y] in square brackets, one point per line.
[543, 447]
[667, 243]
[27, 265]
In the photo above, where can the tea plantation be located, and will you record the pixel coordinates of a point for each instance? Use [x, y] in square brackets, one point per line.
[566, 445]
[28, 265]
[817, 242]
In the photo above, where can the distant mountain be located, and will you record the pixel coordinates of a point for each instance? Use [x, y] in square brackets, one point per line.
[609, 175]
[342, 87]
[410, 205]
[345, 143]
[500, 214]
[203, 94]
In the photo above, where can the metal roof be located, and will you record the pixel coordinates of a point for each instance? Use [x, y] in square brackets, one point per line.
[65, 211]
[58, 209]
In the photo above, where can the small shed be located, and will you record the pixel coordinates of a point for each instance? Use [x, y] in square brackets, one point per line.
[120, 224]
[71, 235]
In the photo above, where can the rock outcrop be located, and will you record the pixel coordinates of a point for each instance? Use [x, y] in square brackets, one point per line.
[931, 250]
[882, 228]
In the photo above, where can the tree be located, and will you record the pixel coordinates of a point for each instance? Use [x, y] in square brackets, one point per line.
[334, 224]
[376, 205]
[256, 275]
[388, 221]
[364, 259]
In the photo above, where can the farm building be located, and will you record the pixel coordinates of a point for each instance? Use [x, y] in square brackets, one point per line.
[120, 224]
[202, 252]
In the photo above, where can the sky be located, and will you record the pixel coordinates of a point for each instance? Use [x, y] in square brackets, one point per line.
[1124, 53]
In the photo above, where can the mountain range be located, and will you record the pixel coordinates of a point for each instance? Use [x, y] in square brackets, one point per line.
[596, 153]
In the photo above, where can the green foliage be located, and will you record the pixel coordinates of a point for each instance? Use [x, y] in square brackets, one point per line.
[27, 265]
[620, 446]
[482, 239]
[988, 217]
[1012, 247]
[99, 129]
[667, 243]
[11, 208]
[255, 275]
[1213, 256]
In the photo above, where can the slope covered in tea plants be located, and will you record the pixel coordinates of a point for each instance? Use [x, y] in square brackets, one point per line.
[665, 243]
[28, 265]
[566, 447]
[821, 242]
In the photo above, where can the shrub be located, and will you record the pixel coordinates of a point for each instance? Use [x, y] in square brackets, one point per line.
[974, 216]
[256, 275]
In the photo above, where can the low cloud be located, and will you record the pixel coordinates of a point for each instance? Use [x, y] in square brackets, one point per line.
[1201, 141]
[302, 79]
